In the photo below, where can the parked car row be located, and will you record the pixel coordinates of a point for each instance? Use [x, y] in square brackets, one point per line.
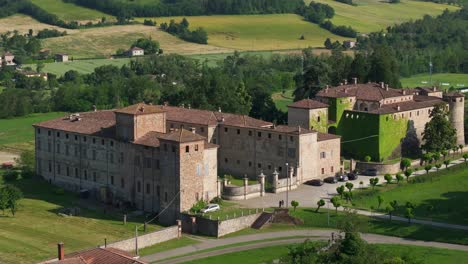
[333, 179]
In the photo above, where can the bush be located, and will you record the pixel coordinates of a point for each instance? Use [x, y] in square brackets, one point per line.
[217, 200]
[59, 191]
[367, 158]
[11, 175]
[198, 206]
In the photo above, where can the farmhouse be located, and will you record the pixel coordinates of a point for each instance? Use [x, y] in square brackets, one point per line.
[7, 59]
[135, 51]
[61, 57]
[374, 119]
[349, 44]
[155, 157]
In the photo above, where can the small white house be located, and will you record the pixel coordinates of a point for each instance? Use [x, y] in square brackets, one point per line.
[349, 44]
[61, 57]
[136, 51]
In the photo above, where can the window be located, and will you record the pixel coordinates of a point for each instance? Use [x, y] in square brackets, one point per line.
[269, 167]
[138, 186]
[58, 134]
[165, 147]
[38, 144]
[187, 149]
[121, 157]
[103, 142]
[165, 196]
[67, 150]
[202, 129]
[49, 146]
[58, 148]
[259, 165]
[39, 131]
[76, 137]
[76, 151]
[238, 131]
[250, 133]
[158, 191]
[50, 166]
[68, 171]
[291, 138]
[196, 147]
[250, 164]
[280, 137]
[147, 163]
[137, 161]
[331, 168]
[49, 133]
[94, 141]
[76, 173]
[94, 176]
[148, 188]
[318, 118]
[225, 160]
[122, 183]
[94, 154]
[59, 169]
[323, 171]
[226, 129]
[84, 139]
[112, 180]
[238, 162]
[269, 135]
[291, 152]
[112, 143]
[66, 136]
[259, 134]
[280, 168]
[111, 157]
[157, 164]
[85, 175]
[172, 125]
[173, 149]
[323, 155]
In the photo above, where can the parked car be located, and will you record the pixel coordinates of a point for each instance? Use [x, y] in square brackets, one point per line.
[315, 182]
[352, 176]
[210, 208]
[330, 180]
[342, 178]
[370, 172]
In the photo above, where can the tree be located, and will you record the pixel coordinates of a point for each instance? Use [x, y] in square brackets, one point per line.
[367, 158]
[439, 133]
[150, 46]
[399, 177]
[427, 157]
[409, 213]
[320, 203]
[446, 163]
[13, 195]
[315, 77]
[294, 204]
[444, 153]
[26, 163]
[427, 168]
[349, 186]
[408, 174]
[373, 182]
[461, 146]
[394, 205]
[335, 200]
[388, 178]
[340, 190]
[389, 209]
[348, 196]
[405, 163]
[380, 200]
[39, 66]
[328, 44]
[465, 157]
[438, 165]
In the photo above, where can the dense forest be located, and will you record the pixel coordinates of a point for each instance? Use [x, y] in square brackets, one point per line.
[442, 40]
[120, 8]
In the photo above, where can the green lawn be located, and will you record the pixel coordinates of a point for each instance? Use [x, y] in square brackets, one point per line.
[271, 32]
[283, 100]
[375, 15]
[32, 234]
[168, 245]
[70, 11]
[447, 193]
[443, 80]
[18, 134]
[253, 256]
[82, 66]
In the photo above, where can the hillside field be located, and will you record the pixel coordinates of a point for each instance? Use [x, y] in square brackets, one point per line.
[103, 42]
[444, 80]
[375, 15]
[23, 23]
[258, 32]
[70, 11]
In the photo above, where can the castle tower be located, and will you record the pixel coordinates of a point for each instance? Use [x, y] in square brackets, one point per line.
[456, 103]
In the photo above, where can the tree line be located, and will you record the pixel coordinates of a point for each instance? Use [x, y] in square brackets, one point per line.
[182, 31]
[190, 7]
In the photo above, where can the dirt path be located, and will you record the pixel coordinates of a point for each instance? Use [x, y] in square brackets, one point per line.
[6, 156]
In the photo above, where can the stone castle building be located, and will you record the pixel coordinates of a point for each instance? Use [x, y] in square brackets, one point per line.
[157, 157]
[374, 119]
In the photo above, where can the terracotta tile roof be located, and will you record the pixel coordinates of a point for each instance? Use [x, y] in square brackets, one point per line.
[8, 54]
[308, 104]
[366, 92]
[209, 145]
[211, 118]
[418, 103]
[140, 109]
[325, 136]
[136, 48]
[152, 138]
[99, 256]
[100, 123]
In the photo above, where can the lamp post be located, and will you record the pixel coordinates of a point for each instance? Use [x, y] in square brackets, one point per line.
[287, 185]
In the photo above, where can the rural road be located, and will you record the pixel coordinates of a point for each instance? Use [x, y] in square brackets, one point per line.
[283, 237]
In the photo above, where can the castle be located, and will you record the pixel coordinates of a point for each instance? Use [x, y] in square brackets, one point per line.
[156, 157]
[375, 120]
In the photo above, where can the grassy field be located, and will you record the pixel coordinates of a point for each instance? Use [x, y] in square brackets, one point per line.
[23, 23]
[168, 245]
[103, 42]
[81, 66]
[427, 255]
[446, 193]
[271, 32]
[283, 100]
[376, 15]
[70, 11]
[18, 133]
[444, 80]
[32, 234]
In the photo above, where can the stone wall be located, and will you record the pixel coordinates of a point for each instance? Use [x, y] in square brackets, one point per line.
[380, 167]
[147, 239]
[236, 224]
[242, 192]
[281, 184]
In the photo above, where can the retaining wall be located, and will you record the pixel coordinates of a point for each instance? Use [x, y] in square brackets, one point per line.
[380, 167]
[147, 240]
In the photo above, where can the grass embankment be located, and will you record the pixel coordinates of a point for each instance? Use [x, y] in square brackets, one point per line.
[442, 80]
[271, 32]
[168, 245]
[103, 42]
[441, 196]
[375, 15]
[32, 234]
[17, 134]
[70, 11]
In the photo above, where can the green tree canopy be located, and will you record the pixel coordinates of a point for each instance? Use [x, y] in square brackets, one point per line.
[439, 133]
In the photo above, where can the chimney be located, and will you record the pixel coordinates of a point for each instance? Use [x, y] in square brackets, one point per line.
[94, 108]
[341, 84]
[386, 87]
[382, 85]
[404, 92]
[299, 129]
[398, 108]
[355, 79]
[142, 108]
[219, 109]
[183, 105]
[222, 119]
[61, 252]
[193, 129]
[345, 81]
[189, 107]
[434, 88]
[166, 103]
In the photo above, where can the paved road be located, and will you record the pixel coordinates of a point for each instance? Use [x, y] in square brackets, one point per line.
[318, 234]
